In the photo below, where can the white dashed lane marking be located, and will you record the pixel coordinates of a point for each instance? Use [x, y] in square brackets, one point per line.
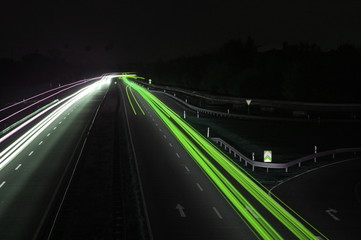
[40, 142]
[54, 128]
[31, 153]
[170, 145]
[218, 214]
[18, 167]
[200, 187]
[164, 136]
[48, 135]
[177, 155]
[2, 184]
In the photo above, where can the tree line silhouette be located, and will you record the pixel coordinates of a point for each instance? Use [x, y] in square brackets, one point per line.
[300, 72]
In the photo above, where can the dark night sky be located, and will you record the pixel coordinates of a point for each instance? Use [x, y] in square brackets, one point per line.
[121, 31]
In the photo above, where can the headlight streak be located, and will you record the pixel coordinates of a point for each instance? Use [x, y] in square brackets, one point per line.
[72, 85]
[130, 101]
[228, 190]
[22, 142]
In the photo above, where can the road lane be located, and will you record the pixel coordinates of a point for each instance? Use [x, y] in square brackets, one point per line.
[331, 200]
[181, 202]
[31, 189]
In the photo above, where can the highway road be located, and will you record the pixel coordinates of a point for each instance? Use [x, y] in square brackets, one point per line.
[181, 201]
[190, 190]
[175, 162]
[331, 200]
[34, 178]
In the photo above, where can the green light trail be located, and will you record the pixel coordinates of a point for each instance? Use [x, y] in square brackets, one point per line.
[131, 104]
[179, 127]
[136, 101]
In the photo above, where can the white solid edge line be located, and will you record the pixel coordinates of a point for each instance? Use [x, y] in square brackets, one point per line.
[138, 173]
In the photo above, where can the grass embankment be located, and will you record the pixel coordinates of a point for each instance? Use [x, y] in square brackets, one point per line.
[287, 140]
[103, 201]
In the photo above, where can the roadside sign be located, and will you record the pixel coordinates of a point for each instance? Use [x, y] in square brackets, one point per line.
[267, 156]
[248, 101]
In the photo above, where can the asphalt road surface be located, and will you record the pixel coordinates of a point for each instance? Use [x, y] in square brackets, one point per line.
[329, 198]
[181, 201]
[30, 183]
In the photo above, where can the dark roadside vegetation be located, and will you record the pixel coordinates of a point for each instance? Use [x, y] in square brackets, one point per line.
[104, 201]
[301, 72]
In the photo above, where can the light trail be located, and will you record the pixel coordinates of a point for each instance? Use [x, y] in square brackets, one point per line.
[51, 90]
[228, 190]
[136, 101]
[23, 141]
[41, 100]
[130, 101]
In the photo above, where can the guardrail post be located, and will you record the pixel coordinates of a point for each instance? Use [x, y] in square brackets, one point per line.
[197, 114]
[267, 170]
[186, 100]
[333, 156]
[315, 159]
[252, 168]
[299, 164]
[184, 114]
[253, 156]
[208, 134]
[286, 169]
[228, 110]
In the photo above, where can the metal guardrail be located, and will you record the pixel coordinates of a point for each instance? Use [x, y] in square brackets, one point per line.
[232, 115]
[285, 166]
[264, 102]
